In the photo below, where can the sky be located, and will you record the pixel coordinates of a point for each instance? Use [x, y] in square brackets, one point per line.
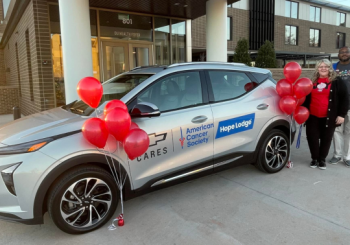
[6, 5]
[342, 2]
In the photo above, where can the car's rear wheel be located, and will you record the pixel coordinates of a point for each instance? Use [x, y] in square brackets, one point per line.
[274, 152]
[83, 199]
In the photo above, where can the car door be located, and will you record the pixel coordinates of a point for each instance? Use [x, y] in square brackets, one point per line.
[240, 108]
[181, 138]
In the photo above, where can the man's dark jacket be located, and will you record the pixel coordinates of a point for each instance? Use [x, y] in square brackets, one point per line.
[338, 104]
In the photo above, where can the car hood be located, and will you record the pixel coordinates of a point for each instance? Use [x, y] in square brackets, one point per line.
[41, 125]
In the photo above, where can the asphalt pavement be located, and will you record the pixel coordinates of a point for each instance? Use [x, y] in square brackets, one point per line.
[300, 205]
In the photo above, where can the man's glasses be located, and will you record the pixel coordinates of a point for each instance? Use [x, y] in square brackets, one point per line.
[323, 67]
[344, 52]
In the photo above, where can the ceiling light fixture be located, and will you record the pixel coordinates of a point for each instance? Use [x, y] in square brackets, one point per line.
[176, 3]
[185, 6]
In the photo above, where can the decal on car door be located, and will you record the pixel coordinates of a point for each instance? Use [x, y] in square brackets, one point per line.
[195, 136]
[235, 125]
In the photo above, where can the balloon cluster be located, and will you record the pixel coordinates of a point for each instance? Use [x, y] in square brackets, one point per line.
[293, 92]
[116, 121]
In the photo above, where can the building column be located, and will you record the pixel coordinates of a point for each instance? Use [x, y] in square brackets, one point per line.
[216, 30]
[76, 44]
[188, 40]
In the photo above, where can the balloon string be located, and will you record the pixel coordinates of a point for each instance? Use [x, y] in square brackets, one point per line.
[299, 136]
[290, 135]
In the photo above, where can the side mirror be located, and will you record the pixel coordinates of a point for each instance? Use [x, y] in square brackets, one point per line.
[145, 109]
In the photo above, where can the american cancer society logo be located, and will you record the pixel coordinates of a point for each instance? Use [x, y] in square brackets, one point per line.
[235, 125]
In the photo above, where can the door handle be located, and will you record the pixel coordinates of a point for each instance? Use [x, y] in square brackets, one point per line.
[262, 107]
[199, 119]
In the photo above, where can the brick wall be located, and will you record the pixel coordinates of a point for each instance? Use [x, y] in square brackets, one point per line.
[2, 69]
[328, 35]
[35, 20]
[277, 73]
[8, 99]
[240, 28]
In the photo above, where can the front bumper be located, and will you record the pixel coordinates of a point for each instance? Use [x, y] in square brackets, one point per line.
[19, 208]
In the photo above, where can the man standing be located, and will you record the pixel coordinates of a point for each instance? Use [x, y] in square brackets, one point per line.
[341, 138]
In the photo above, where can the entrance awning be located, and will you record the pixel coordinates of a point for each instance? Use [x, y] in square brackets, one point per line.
[189, 9]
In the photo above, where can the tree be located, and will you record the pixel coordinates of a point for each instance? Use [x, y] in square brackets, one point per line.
[241, 52]
[266, 56]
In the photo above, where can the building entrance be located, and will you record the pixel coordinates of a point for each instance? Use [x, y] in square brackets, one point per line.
[119, 57]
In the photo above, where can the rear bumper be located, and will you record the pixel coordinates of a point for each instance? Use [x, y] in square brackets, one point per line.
[15, 219]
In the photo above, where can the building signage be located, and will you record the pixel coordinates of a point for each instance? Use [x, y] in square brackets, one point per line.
[127, 34]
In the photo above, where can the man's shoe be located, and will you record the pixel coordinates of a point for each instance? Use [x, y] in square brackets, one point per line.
[347, 163]
[313, 164]
[322, 165]
[335, 160]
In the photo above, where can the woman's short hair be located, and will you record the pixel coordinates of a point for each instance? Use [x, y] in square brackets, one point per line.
[332, 74]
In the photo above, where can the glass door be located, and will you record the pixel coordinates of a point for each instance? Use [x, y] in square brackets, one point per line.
[115, 59]
[140, 55]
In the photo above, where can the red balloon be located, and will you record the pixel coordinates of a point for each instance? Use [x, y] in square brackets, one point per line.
[134, 125]
[118, 122]
[292, 71]
[114, 104]
[95, 131]
[284, 88]
[136, 143]
[300, 101]
[287, 104]
[301, 114]
[302, 87]
[90, 91]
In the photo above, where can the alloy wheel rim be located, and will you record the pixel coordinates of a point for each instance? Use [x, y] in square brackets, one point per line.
[86, 202]
[276, 152]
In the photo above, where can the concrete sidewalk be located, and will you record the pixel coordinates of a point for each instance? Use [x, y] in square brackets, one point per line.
[5, 119]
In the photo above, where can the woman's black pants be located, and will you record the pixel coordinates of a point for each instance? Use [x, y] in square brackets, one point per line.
[319, 137]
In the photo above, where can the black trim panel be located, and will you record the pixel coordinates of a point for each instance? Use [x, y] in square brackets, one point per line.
[146, 188]
[16, 219]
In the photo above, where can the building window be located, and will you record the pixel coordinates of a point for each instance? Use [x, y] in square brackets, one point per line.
[315, 14]
[340, 19]
[29, 61]
[340, 42]
[18, 72]
[291, 35]
[162, 40]
[178, 35]
[292, 9]
[315, 38]
[229, 29]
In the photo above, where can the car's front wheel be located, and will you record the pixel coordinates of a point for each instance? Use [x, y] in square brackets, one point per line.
[83, 199]
[274, 152]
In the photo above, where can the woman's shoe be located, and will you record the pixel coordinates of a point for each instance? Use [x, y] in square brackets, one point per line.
[322, 165]
[313, 164]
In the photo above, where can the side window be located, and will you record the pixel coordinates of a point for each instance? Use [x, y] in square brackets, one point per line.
[174, 92]
[229, 85]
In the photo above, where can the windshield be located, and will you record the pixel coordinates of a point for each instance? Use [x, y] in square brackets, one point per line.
[113, 89]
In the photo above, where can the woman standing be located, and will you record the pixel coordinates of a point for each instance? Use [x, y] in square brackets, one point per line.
[328, 104]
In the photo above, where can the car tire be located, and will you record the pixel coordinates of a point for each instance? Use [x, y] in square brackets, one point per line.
[274, 152]
[83, 199]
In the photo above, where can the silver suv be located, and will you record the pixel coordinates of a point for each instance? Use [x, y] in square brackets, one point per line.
[200, 117]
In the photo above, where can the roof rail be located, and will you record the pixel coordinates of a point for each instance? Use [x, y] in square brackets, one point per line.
[207, 63]
[150, 66]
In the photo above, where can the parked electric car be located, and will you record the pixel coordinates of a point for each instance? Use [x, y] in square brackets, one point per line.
[200, 118]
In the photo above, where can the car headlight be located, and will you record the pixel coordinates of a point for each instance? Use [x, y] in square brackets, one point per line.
[25, 147]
